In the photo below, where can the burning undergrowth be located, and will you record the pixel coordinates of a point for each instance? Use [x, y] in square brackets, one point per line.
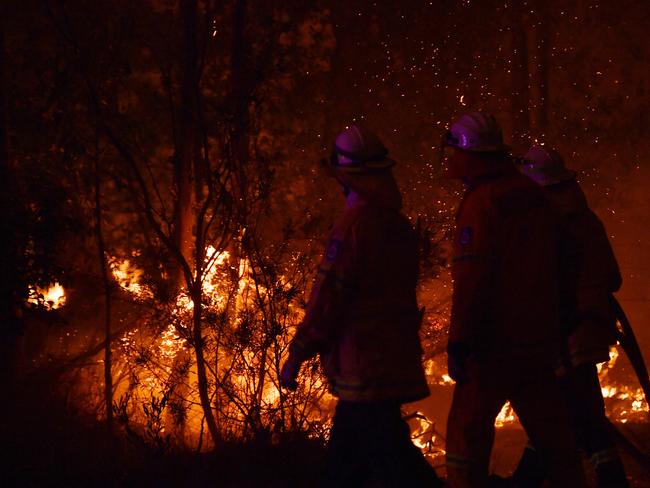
[249, 319]
[249, 314]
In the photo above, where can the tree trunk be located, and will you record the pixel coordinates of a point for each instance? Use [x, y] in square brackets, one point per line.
[185, 146]
[203, 384]
[239, 147]
[240, 88]
[184, 215]
[101, 248]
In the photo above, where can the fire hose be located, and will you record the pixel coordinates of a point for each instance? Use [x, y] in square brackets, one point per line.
[627, 339]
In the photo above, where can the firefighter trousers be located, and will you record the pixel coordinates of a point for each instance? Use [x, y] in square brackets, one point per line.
[370, 446]
[535, 396]
[583, 395]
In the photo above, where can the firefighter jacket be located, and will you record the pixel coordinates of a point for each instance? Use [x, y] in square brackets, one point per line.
[362, 316]
[589, 276]
[505, 297]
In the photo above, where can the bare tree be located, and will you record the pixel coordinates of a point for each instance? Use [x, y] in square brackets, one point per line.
[204, 206]
[103, 265]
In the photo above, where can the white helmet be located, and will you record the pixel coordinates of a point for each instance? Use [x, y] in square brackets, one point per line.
[545, 166]
[476, 132]
[357, 150]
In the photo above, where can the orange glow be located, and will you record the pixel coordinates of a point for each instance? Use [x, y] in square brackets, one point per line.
[52, 297]
[506, 416]
[155, 365]
[129, 277]
[150, 362]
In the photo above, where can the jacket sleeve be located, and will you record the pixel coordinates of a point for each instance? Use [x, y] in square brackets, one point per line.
[599, 274]
[329, 295]
[601, 268]
[472, 270]
[598, 278]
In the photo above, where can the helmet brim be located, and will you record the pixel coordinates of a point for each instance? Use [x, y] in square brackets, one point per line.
[366, 167]
[547, 177]
[554, 178]
[487, 149]
[449, 140]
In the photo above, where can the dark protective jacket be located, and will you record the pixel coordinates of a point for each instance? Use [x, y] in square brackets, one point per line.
[589, 276]
[362, 316]
[505, 298]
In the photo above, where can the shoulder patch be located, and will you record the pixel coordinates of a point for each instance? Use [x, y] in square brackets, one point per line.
[465, 235]
[333, 250]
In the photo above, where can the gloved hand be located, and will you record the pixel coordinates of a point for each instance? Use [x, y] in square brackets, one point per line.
[457, 354]
[289, 373]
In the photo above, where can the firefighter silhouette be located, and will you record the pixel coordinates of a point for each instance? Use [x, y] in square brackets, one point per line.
[505, 332]
[363, 320]
[589, 277]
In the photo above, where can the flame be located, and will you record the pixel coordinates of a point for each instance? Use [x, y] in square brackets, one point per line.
[184, 302]
[242, 293]
[608, 391]
[171, 343]
[435, 374]
[153, 364]
[215, 260]
[129, 277]
[424, 435]
[506, 416]
[52, 297]
[624, 403]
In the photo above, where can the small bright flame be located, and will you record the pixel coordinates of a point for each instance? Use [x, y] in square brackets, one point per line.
[446, 379]
[171, 343]
[129, 277]
[53, 297]
[423, 435]
[184, 301]
[608, 391]
[625, 403]
[506, 416]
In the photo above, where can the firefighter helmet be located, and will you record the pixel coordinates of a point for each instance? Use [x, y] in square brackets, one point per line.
[545, 166]
[476, 132]
[358, 150]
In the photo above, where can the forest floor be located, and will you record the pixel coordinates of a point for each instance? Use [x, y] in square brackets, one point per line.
[510, 441]
[45, 445]
[45, 442]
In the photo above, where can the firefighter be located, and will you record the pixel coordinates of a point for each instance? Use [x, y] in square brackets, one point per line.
[589, 276]
[504, 331]
[363, 320]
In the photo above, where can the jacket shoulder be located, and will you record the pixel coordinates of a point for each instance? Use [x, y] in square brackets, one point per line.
[345, 223]
[516, 194]
[500, 194]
